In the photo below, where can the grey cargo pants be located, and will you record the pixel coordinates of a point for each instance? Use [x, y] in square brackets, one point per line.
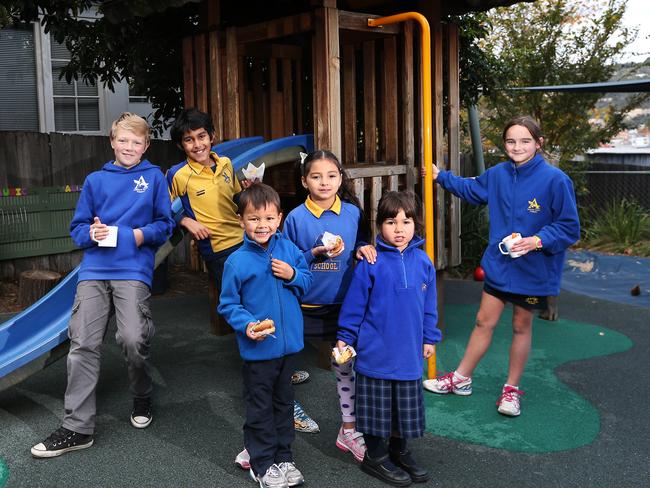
[94, 304]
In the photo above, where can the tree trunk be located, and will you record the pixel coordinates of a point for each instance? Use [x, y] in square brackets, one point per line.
[35, 283]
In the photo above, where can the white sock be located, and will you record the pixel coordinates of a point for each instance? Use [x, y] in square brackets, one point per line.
[511, 386]
[348, 431]
[460, 376]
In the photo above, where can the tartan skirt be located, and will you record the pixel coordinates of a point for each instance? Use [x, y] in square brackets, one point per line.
[385, 406]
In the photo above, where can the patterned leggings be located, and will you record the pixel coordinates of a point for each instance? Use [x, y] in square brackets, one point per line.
[345, 378]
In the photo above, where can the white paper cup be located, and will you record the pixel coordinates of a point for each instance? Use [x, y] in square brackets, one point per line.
[110, 240]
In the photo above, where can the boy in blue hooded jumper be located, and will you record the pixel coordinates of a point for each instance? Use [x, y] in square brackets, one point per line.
[130, 194]
[389, 316]
[529, 197]
[265, 279]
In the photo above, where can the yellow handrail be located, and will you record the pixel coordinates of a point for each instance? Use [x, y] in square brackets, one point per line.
[429, 209]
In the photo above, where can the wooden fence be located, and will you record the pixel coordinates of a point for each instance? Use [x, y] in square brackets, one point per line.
[30, 161]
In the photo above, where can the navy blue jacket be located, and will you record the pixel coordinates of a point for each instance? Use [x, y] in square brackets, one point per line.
[130, 198]
[250, 292]
[535, 198]
[390, 312]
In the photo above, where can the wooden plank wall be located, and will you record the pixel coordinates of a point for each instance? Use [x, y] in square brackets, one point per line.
[34, 159]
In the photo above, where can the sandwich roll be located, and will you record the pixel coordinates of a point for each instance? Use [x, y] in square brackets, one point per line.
[264, 327]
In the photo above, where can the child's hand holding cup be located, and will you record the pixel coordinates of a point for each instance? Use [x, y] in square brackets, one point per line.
[505, 246]
[103, 235]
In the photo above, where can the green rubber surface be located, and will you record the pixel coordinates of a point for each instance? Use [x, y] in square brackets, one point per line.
[4, 473]
[554, 417]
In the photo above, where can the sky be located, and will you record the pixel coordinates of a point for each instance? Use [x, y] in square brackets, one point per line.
[637, 14]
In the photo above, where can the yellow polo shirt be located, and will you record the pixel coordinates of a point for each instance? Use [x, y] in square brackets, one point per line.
[207, 197]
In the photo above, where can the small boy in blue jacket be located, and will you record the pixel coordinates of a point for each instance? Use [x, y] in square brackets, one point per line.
[265, 279]
[122, 217]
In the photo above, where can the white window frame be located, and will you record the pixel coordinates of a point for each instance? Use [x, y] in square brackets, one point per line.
[46, 92]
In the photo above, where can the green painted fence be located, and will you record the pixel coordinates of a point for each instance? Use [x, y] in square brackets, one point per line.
[36, 221]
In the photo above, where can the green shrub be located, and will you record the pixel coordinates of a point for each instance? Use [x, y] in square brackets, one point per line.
[620, 227]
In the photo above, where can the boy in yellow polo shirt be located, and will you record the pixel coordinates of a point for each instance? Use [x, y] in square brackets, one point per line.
[206, 184]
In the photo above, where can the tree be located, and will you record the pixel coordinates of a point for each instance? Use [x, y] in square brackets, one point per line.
[556, 42]
[137, 41]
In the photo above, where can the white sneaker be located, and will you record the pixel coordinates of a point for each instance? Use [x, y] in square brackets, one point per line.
[293, 476]
[243, 460]
[509, 401]
[449, 383]
[273, 478]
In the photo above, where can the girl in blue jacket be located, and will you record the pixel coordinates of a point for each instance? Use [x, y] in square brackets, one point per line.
[389, 316]
[528, 196]
[330, 207]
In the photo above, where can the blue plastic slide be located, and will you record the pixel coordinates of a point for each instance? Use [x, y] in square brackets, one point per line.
[38, 335]
[277, 151]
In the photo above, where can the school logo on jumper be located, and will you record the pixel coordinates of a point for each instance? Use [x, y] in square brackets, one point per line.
[533, 206]
[200, 192]
[532, 300]
[226, 177]
[141, 185]
[326, 266]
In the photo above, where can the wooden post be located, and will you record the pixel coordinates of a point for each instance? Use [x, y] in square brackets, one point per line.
[369, 103]
[216, 100]
[407, 109]
[349, 105]
[438, 143]
[188, 72]
[201, 80]
[231, 122]
[453, 137]
[327, 80]
[389, 95]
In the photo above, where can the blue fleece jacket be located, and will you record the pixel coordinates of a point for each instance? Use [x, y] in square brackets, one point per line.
[331, 275]
[535, 198]
[134, 198]
[250, 292]
[390, 312]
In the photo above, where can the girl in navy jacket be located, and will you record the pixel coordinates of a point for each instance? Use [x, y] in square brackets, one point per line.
[389, 316]
[528, 196]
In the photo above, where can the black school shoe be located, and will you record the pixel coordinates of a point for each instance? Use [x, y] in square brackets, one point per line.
[141, 415]
[61, 441]
[405, 461]
[385, 470]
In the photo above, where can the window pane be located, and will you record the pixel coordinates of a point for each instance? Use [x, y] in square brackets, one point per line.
[88, 113]
[64, 114]
[60, 86]
[58, 51]
[86, 89]
[18, 93]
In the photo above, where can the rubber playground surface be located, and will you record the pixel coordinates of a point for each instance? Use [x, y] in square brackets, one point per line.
[584, 420]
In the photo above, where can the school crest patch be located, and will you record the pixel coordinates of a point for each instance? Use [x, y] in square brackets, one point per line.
[533, 206]
[141, 185]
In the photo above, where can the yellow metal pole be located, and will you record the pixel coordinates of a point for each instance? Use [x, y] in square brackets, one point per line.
[429, 210]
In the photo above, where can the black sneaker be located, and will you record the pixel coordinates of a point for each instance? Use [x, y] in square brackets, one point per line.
[141, 415]
[61, 441]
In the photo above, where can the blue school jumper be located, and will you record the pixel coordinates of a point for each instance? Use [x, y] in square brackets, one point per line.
[130, 198]
[305, 225]
[390, 312]
[535, 198]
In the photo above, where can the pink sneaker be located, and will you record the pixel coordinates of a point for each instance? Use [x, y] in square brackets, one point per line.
[509, 402]
[243, 460]
[351, 442]
[449, 384]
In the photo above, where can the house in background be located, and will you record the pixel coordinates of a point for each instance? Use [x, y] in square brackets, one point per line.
[33, 98]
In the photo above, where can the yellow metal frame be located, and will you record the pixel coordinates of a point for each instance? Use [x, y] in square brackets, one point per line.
[429, 209]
